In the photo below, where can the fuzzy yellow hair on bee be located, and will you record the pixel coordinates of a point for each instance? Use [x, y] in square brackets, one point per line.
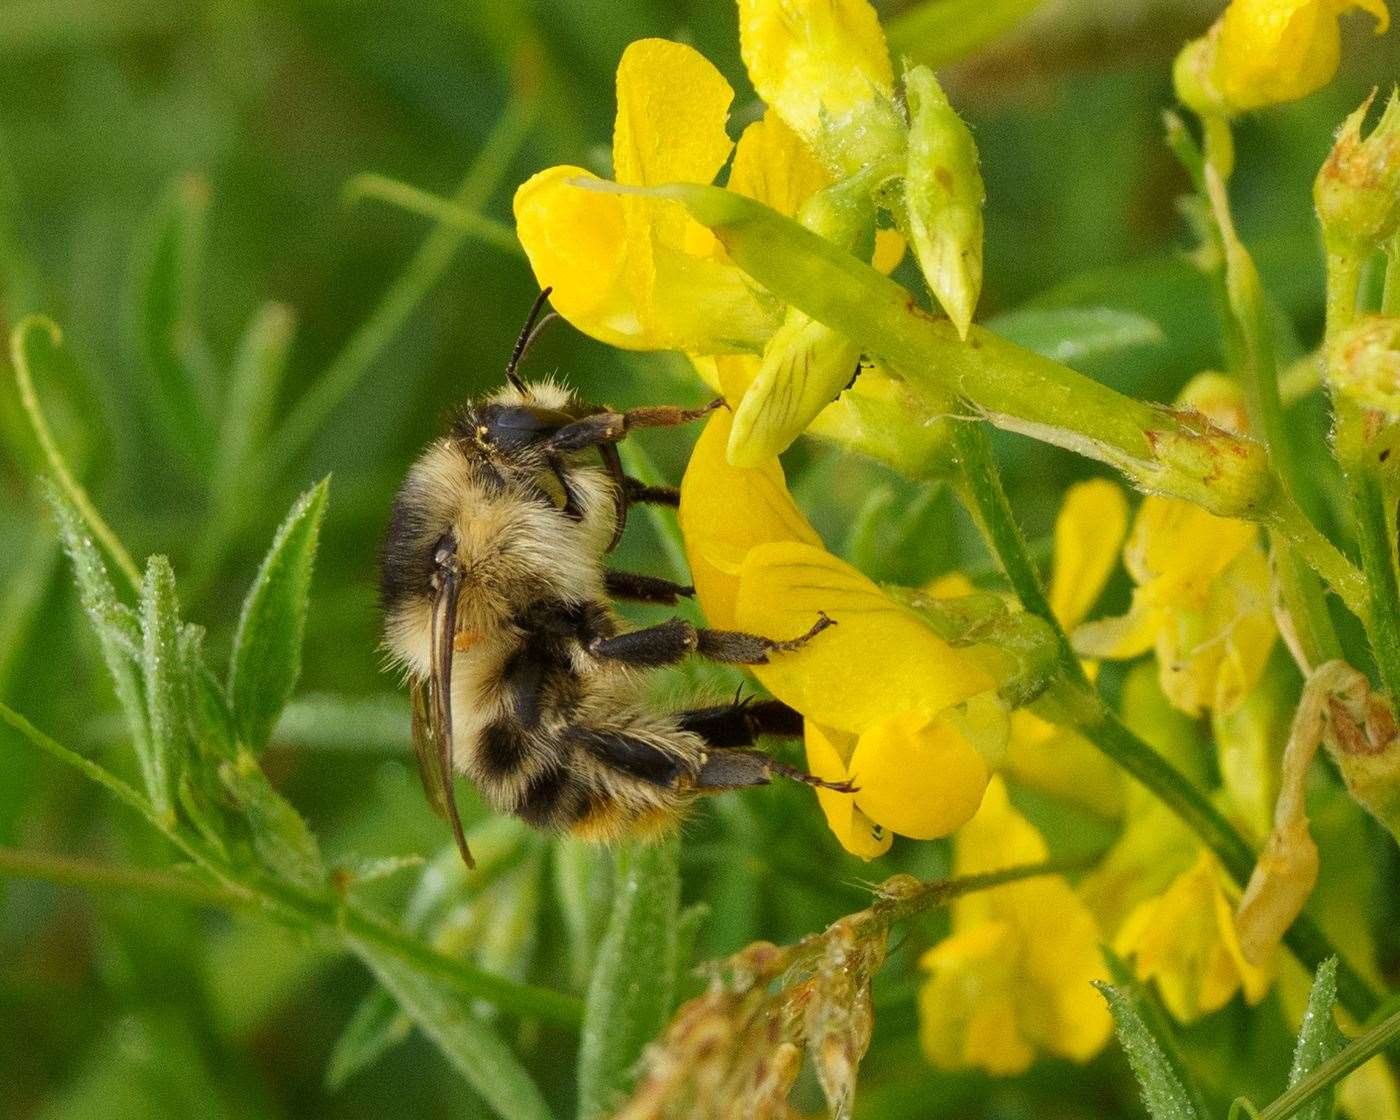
[498, 607]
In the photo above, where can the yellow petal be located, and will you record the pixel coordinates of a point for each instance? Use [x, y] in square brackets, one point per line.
[1061, 762]
[968, 1007]
[577, 244]
[821, 66]
[1270, 51]
[804, 368]
[889, 250]
[774, 165]
[1088, 533]
[1185, 941]
[918, 777]
[879, 658]
[672, 105]
[1180, 549]
[828, 752]
[1044, 968]
[725, 511]
[1126, 636]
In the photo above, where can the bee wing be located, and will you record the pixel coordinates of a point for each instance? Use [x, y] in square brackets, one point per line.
[435, 766]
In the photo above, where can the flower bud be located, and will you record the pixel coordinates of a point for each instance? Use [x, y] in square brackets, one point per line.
[1364, 363]
[1357, 192]
[943, 197]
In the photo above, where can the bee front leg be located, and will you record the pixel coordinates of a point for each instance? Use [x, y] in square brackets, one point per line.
[645, 589]
[671, 641]
[612, 427]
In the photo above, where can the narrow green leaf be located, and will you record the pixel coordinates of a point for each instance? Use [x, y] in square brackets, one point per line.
[473, 1048]
[375, 1028]
[267, 645]
[1162, 1091]
[167, 688]
[173, 357]
[581, 878]
[1318, 1040]
[210, 723]
[281, 838]
[629, 996]
[1155, 1019]
[116, 625]
[1072, 334]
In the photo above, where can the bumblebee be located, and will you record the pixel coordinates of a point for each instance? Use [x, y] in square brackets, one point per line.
[497, 607]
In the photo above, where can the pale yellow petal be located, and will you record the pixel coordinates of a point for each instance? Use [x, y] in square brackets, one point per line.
[917, 776]
[1061, 762]
[804, 368]
[821, 66]
[1088, 534]
[775, 166]
[1119, 638]
[725, 511]
[879, 658]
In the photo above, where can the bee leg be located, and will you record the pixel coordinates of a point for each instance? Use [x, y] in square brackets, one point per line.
[733, 768]
[645, 589]
[670, 641]
[611, 427]
[631, 754]
[740, 723]
[637, 491]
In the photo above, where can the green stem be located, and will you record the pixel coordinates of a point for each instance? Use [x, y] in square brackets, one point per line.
[1359, 1051]
[24, 381]
[445, 211]
[90, 875]
[404, 294]
[1160, 449]
[333, 916]
[1250, 350]
[1353, 447]
[1102, 726]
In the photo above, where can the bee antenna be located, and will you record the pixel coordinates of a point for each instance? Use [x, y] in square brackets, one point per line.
[528, 333]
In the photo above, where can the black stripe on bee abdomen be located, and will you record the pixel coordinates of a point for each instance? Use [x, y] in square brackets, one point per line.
[554, 799]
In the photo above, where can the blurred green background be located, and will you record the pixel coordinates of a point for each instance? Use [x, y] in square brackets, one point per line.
[172, 173]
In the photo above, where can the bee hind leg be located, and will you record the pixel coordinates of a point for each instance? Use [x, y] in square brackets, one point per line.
[735, 767]
[612, 427]
[731, 727]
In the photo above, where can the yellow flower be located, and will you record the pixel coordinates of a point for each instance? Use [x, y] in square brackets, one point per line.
[888, 705]
[1203, 597]
[1014, 978]
[1185, 941]
[1264, 52]
[638, 272]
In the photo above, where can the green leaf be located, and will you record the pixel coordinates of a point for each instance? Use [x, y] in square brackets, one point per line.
[1162, 1092]
[210, 723]
[938, 31]
[118, 630]
[581, 878]
[167, 687]
[1318, 1040]
[1072, 334]
[267, 645]
[173, 358]
[281, 838]
[473, 1048]
[375, 1028]
[629, 996]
